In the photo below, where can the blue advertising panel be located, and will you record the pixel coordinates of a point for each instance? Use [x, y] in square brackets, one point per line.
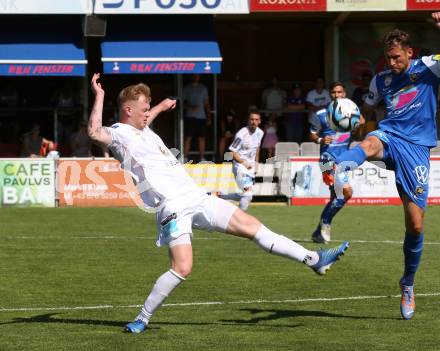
[34, 50]
[184, 44]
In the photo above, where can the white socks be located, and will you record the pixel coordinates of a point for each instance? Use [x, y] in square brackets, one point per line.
[165, 284]
[245, 200]
[283, 246]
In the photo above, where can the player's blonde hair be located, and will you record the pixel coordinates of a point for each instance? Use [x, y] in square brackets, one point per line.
[133, 92]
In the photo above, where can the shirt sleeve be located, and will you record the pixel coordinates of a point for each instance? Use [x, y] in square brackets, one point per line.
[236, 144]
[433, 63]
[315, 124]
[373, 96]
[309, 97]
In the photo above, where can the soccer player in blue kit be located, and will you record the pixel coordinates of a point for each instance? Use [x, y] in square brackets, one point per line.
[409, 88]
[332, 144]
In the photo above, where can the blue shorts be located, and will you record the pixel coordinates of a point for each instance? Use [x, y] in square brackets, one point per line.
[410, 163]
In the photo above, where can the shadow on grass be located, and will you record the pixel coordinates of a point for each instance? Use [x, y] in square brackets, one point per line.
[49, 318]
[269, 315]
[280, 314]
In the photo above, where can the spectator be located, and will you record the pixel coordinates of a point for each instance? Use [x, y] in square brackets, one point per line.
[35, 145]
[359, 95]
[81, 144]
[228, 127]
[295, 117]
[361, 92]
[66, 101]
[197, 114]
[270, 136]
[317, 98]
[274, 98]
[9, 96]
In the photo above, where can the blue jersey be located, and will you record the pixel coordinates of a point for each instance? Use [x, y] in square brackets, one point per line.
[320, 126]
[410, 100]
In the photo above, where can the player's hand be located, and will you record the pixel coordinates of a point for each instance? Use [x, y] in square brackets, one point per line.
[436, 18]
[327, 139]
[96, 87]
[247, 164]
[168, 104]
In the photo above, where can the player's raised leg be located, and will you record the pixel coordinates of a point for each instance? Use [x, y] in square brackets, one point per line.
[244, 225]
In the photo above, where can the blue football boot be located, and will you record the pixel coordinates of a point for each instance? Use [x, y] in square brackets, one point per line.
[328, 257]
[135, 327]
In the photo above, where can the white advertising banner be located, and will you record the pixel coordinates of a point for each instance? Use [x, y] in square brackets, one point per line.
[371, 184]
[366, 5]
[171, 6]
[46, 7]
[27, 182]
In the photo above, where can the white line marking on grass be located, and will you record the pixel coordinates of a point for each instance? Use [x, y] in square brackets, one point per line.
[209, 303]
[226, 237]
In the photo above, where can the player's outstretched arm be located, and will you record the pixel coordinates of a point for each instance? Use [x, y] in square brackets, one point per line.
[163, 106]
[436, 18]
[95, 130]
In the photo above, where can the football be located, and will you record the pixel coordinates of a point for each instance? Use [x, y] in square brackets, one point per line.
[343, 115]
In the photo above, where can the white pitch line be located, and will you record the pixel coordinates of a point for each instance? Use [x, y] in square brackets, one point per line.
[210, 303]
[227, 237]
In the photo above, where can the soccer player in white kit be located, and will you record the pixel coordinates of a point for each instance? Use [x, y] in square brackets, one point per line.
[180, 204]
[245, 155]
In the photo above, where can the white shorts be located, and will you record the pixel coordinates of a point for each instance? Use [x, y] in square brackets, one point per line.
[179, 216]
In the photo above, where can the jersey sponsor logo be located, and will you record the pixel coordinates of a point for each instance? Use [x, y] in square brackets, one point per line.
[403, 97]
[436, 57]
[422, 175]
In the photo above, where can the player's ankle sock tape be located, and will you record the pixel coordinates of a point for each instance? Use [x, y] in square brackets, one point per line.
[351, 159]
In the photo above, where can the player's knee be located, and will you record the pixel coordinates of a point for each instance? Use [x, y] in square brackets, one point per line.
[348, 193]
[371, 146]
[415, 228]
[183, 269]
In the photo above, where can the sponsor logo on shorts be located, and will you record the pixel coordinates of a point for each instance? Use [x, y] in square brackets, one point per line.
[419, 190]
[422, 174]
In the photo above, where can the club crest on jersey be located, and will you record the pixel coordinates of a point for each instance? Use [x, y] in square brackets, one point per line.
[388, 80]
[413, 77]
[422, 175]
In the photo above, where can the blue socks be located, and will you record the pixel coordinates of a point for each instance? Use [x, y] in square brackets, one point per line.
[412, 249]
[351, 159]
[331, 209]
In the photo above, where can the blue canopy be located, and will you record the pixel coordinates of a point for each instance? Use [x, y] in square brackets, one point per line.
[41, 48]
[174, 44]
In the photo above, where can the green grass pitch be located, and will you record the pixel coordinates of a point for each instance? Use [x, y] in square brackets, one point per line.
[71, 278]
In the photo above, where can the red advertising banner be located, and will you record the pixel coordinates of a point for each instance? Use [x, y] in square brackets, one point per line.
[288, 5]
[423, 5]
[94, 183]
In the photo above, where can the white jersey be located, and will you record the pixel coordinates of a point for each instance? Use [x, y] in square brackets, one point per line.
[246, 145]
[157, 173]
